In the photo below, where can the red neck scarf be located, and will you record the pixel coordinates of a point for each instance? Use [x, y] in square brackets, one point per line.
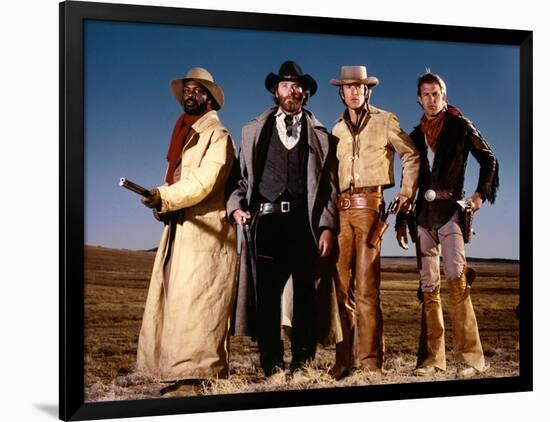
[180, 136]
[432, 127]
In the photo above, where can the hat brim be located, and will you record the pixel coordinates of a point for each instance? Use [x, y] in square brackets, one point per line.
[176, 86]
[370, 81]
[307, 82]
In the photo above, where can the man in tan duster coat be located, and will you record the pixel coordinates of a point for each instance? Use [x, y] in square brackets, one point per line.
[184, 335]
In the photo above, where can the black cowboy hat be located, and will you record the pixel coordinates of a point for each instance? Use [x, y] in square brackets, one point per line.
[291, 71]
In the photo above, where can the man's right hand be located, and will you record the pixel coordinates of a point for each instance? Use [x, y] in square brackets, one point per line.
[239, 216]
[153, 200]
[401, 235]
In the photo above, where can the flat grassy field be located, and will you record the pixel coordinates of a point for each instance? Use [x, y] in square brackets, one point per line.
[116, 283]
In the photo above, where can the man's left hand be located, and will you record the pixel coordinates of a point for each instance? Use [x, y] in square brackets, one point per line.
[153, 200]
[325, 243]
[401, 236]
[476, 201]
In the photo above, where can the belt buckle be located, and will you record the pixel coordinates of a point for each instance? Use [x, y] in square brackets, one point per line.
[262, 207]
[430, 195]
[346, 203]
[285, 206]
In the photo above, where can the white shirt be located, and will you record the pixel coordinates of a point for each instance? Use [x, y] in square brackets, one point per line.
[431, 153]
[295, 129]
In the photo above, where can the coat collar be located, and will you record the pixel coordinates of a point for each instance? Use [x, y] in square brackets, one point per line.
[261, 119]
[448, 116]
[371, 110]
[318, 137]
[206, 121]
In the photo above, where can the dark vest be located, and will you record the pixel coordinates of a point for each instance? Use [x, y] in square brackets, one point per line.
[284, 172]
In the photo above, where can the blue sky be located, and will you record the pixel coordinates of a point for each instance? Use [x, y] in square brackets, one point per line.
[130, 112]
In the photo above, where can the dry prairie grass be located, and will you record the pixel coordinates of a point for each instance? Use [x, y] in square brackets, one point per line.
[116, 283]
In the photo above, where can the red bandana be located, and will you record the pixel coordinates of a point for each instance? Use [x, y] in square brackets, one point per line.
[432, 127]
[180, 135]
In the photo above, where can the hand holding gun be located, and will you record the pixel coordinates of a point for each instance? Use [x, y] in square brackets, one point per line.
[404, 221]
[150, 198]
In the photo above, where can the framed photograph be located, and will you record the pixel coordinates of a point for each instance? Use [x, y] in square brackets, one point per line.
[120, 69]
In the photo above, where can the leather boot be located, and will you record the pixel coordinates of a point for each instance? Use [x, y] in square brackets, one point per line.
[346, 354]
[466, 341]
[431, 347]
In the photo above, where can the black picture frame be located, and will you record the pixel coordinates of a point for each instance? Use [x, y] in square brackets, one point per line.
[71, 127]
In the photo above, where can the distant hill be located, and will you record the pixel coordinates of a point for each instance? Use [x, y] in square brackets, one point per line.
[468, 258]
[397, 257]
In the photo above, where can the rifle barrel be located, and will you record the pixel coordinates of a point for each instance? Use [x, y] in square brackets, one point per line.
[134, 187]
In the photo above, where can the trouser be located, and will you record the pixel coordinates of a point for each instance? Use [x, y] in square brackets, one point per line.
[358, 289]
[285, 246]
[448, 241]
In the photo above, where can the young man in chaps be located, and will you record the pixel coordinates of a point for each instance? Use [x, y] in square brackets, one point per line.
[367, 139]
[445, 138]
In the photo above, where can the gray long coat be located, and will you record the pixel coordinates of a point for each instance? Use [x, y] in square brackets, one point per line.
[322, 191]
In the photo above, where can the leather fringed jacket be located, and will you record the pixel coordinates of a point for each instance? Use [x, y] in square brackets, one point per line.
[458, 138]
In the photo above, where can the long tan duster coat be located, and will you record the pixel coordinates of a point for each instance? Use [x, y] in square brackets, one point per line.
[184, 333]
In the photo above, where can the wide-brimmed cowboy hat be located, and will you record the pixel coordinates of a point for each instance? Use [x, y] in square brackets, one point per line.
[290, 71]
[353, 75]
[203, 77]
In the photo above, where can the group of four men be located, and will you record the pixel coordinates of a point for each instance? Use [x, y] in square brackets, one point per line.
[293, 190]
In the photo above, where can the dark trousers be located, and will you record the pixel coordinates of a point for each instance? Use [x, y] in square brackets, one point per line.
[285, 246]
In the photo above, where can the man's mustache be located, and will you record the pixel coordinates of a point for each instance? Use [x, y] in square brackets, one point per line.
[295, 97]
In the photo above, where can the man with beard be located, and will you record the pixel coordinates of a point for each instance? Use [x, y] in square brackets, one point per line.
[444, 139]
[288, 188]
[367, 141]
[184, 334]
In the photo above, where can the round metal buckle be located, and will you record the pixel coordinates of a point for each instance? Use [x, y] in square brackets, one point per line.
[430, 195]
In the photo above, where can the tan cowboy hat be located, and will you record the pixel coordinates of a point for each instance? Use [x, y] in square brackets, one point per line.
[353, 75]
[203, 77]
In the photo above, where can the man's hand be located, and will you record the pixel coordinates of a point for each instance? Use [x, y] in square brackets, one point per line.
[239, 216]
[476, 201]
[153, 200]
[403, 204]
[401, 235]
[325, 243]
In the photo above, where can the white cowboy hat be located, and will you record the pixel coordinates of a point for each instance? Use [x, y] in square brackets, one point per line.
[353, 75]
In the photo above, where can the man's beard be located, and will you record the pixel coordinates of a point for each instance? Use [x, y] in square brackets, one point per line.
[193, 107]
[291, 104]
